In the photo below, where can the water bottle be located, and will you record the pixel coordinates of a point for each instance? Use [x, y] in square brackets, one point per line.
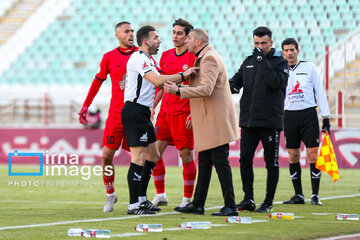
[75, 232]
[149, 228]
[347, 216]
[195, 225]
[96, 233]
[281, 215]
[238, 219]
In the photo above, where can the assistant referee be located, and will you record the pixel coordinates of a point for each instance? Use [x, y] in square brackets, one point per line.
[304, 93]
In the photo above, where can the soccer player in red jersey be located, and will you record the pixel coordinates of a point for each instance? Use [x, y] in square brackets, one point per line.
[113, 63]
[173, 125]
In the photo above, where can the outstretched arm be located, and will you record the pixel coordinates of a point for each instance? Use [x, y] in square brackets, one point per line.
[159, 80]
[208, 76]
[94, 89]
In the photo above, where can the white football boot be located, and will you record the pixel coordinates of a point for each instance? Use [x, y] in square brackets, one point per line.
[160, 200]
[110, 201]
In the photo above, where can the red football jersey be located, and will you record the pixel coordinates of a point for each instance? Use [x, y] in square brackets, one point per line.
[114, 63]
[171, 63]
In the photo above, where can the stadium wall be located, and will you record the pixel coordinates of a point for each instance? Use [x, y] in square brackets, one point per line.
[87, 145]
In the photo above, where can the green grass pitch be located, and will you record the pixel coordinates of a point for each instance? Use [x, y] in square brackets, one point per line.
[58, 203]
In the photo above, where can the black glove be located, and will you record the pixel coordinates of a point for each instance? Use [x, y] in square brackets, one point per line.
[326, 125]
[258, 54]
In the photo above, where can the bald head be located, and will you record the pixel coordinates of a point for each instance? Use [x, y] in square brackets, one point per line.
[197, 39]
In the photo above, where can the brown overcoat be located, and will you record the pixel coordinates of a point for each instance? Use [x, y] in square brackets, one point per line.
[212, 107]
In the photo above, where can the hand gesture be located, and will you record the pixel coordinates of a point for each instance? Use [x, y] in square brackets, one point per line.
[259, 54]
[170, 87]
[191, 71]
[82, 115]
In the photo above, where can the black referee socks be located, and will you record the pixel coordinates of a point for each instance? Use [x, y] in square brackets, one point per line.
[145, 177]
[295, 175]
[134, 178]
[315, 178]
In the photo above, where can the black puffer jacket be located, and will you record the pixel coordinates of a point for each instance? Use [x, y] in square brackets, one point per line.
[264, 84]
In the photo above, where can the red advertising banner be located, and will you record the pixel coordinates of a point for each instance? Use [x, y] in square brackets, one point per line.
[86, 144]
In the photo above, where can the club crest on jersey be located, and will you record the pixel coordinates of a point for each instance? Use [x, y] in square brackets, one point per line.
[185, 67]
[296, 94]
[296, 88]
[144, 66]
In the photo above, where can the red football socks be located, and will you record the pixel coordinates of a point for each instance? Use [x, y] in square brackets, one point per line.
[159, 176]
[109, 184]
[189, 174]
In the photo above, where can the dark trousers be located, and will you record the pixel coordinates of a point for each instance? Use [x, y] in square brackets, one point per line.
[250, 138]
[219, 158]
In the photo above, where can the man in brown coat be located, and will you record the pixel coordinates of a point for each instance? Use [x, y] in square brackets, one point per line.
[213, 121]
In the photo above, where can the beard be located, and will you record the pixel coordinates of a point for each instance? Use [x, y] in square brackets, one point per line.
[153, 50]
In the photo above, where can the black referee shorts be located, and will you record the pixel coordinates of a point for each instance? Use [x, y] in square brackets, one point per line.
[138, 128]
[301, 125]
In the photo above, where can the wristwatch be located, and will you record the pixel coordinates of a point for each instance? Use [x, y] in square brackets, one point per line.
[182, 76]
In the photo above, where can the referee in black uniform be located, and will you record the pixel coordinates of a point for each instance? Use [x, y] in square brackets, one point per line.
[142, 77]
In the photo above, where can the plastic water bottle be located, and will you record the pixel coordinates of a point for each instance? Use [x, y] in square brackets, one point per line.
[75, 232]
[149, 228]
[96, 233]
[347, 216]
[281, 215]
[238, 219]
[195, 225]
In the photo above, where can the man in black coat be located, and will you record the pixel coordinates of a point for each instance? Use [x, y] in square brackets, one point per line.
[263, 78]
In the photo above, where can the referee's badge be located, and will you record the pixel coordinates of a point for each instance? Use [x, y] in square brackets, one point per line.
[185, 67]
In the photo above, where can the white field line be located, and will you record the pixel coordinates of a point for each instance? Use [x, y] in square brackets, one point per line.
[134, 216]
[125, 203]
[175, 229]
[61, 202]
[127, 234]
[329, 198]
[344, 237]
[323, 214]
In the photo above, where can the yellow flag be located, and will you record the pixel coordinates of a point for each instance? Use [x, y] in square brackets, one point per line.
[326, 161]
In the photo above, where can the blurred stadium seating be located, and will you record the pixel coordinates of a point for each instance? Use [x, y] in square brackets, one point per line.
[67, 53]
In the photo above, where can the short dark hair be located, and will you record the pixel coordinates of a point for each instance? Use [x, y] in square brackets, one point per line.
[289, 41]
[143, 33]
[262, 31]
[201, 34]
[181, 22]
[120, 24]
